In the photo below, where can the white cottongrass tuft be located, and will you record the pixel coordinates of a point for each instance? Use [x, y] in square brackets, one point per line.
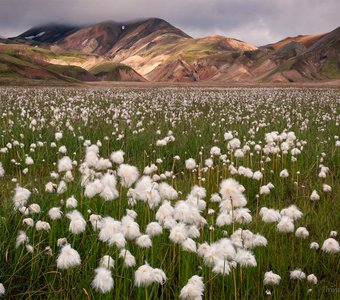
[129, 259]
[285, 225]
[117, 157]
[167, 192]
[78, 223]
[330, 246]
[314, 246]
[302, 232]
[2, 170]
[146, 275]
[144, 241]
[68, 258]
[190, 164]
[65, 164]
[292, 212]
[269, 215]
[314, 196]
[231, 190]
[2, 290]
[42, 226]
[193, 290]
[311, 278]
[107, 262]
[271, 278]
[103, 281]
[22, 239]
[297, 274]
[21, 196]
[284, 173]
[55, 213]
[245, 258]
[189, 245]
[128, 174]
[34, 208]
[71, 202]
[58, 136]
[28, 221]
[178, 233]
[154, 229]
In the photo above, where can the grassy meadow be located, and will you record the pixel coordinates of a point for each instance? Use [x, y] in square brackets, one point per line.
[280, 145]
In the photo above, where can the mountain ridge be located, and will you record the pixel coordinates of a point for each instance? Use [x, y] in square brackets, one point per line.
[155, 50]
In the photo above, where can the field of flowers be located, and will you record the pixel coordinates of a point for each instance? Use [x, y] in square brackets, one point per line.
[170, 193]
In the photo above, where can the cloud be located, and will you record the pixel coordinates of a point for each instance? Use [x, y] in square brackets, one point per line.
[255, 21]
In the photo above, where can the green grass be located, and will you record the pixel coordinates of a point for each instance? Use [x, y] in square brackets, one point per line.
[109, 70]
[198, 118]
[331, 68]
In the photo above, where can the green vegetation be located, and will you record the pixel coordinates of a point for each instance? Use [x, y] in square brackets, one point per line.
[109, 70]
[265, 122]
[331, 68]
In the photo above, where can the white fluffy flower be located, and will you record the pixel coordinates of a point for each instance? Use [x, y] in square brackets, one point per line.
[301, 232]
[146, 275]
[144, 241]
[314, 196]
[271, 278]
[190, 164]
[78, 223]
[326, 188]
[292, 212]
[178, 233]
[285, 225]
[71, 202]
[269, 215]
[311, 278]
[215, 151]
[117, 157]
[129, 259]
[330, 246]
[103, 281]
[28, 221]
[189, 245]
[284, 173]
[154, 229]
[107, 262]
[55, 213]
[297, 274]
[68, 258]
[29, 161]
[65, 164]
[42, 226]
[231, 190]
[167, 192]
[2, 290]
[34, 208]
[314, 246]
[21, 196]
[128, 174]
[58, 136]
[245, 258]
[2, 170]
[193, 290]
[22, 239]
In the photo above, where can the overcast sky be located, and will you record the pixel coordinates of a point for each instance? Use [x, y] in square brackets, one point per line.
[255, 21]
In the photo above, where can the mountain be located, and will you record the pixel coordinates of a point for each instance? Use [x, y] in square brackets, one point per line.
[49, 33]
[155, 50]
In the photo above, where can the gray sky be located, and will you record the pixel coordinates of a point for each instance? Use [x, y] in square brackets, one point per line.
[255, 21]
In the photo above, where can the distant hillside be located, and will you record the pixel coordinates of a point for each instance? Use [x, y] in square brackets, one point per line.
[155, 50]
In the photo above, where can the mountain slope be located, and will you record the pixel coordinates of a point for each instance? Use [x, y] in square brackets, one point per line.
[20, 63]
[108, 38]
[49, 33]
[154, 50]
